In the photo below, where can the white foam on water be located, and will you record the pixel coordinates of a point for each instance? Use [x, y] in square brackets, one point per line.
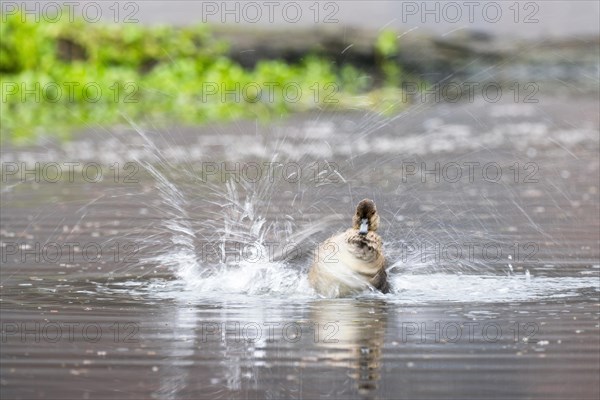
[415, 289]
[276, 280]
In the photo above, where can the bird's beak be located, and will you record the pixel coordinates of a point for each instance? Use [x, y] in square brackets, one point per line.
[364, 226]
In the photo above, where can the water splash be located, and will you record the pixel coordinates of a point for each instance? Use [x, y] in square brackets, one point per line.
[224, 243]
[280, 283]
[232, 239]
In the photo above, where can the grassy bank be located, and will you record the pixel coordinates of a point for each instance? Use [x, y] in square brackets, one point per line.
[61, 76]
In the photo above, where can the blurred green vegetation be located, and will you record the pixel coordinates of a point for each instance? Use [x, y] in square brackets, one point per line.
[60, 76]
[386, 48]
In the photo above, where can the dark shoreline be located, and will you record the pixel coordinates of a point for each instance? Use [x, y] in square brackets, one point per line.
[462, 54]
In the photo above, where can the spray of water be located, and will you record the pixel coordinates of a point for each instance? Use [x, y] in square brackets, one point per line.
[232, 237]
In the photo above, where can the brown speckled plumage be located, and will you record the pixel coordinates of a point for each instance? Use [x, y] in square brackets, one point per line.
[350, 262]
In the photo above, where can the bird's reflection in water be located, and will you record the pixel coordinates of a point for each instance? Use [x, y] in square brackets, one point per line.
[351, 335]
[347, 336]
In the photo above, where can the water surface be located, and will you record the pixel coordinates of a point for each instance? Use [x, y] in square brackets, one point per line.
[200, 291]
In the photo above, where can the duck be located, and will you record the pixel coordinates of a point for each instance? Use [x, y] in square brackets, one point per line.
[351, 262]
